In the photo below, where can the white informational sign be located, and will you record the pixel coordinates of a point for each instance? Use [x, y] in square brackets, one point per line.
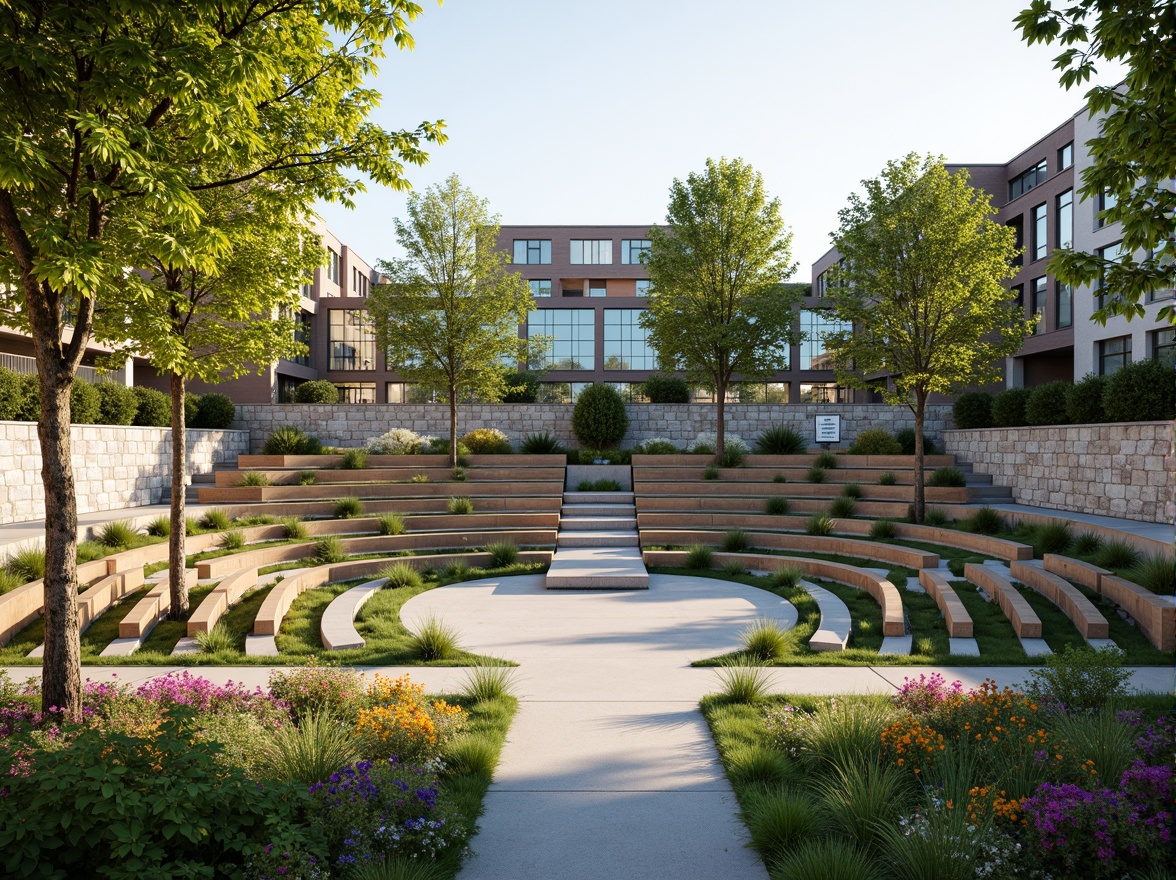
[828, 429]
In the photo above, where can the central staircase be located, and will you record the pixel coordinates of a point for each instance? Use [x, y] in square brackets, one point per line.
[597, 546]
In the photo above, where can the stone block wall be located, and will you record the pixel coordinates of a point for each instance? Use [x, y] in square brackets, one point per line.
[1122, 470]
[114, 466]
[350, 425]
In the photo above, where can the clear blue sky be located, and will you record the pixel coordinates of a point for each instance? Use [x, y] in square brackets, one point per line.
[567, 113]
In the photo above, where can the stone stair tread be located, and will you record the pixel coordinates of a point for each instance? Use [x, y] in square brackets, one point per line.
[598, 497]
[597, 523]
[597, 539]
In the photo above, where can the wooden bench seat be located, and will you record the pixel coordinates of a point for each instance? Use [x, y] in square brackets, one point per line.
[891, 553]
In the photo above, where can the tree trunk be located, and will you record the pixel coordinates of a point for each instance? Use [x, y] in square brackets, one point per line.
[177, 562]
[452, 426]
[61, 674]
[920, 489]
[720, 421]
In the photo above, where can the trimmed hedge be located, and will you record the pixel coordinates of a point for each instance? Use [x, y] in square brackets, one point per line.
[875, 441]
[1141, 392]
[666, 389]
[1084, 400]
[972, 409]
[153, 409]
[117, 404]
[1047, 404]
[214, 412]
[1008, 408]
[316, 391]
[85, 404]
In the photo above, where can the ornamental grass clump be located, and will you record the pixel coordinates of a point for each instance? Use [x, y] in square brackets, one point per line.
[159, 527]
[779, 440]
[233, 539]
[843, 734]
[710, 473]
[887, 479]
[312, 750]
[947, 477]
[1116, 554]
[328, 551]
[348, 508]
[434, 640]
[781, 818]
[741, 680]
[484, 683]
[777, 505]
[842, 507]
[214, 520]
[820, 524]
[1156, 573]
[26, 563]
[735, 541]
[460, 506]
[883, 529]
[765, 640]
[354, 460]
[401, 575]
[254, 478]
[756, 765]
[827, 858]
[1055, 536]
[699, 557]
[815, 475]
[985, 521]
[787, 578]
[216, 640]
[118, 534]
[392, 524]
[540, 444]
[503, 553]
[293, 527]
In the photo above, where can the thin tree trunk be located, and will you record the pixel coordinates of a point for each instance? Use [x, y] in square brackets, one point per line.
[61, 674]
[920, 489]
[452, 426]
[177, 562]
[720, 421]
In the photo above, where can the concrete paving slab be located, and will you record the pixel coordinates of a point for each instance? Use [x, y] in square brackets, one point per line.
[586, 568]
[1036, 647]
[962, 647]
[914, 586]
[1101, 643]
[121, 648]
[896, 645]
[260, 646]
[189, 645]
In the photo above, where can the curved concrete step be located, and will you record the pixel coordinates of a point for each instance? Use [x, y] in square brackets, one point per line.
[337, 627]
[833, 631]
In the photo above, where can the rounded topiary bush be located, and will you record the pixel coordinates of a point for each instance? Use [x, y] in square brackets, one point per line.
[1047, 404]
[666, 389]
[316, 391]
[1008, 408]
[875, 441]
[486, 441]
[1144, 391]
[599, 420]
[215, 412]
[85, 404]
[152, 408]
[117, 404]
[1084, 400]
[972, 409]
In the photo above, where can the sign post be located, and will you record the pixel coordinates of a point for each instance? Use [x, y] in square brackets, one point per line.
[828, 429]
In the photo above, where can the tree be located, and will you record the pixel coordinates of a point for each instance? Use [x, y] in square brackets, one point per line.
[920, 283]
[451, 312]
[716, 307]
[211, 304]
[119, 114]
[1134, 155]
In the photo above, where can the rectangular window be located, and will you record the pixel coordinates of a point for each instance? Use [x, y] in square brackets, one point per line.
[302, 327]
[597, 288]
[1112, 253]
[352, 340]
[761, 392]
[626, 342]
[560, 392]
[1065, 309]
[571, 338]
[394, 392]
[824, 392]
[1113, 355]
[541, 287]
[1040, 241]
[642, 286]
[356, 392]
[822, 284]
[632, 249]
[1065, 237]
[815, 327]
[1066, 156]
[1017, 224]
[1106, 201]
[532, 252]
[591, 252]
[1037, 294]
[1024, 182]
[1163, 346]
[332, 265]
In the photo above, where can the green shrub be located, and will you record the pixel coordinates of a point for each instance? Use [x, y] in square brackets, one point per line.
[214, 520]
[599, 420]
[253, 478]
[815, 475]
[764, 639]
[1055, 536]
[26, 562]
[1084, 398]
[1117, 554]
[503, 553]
[348, 508]
[460, 506]
[1008, 408]
[666, 389]
[819, 524]
[159, 527]
[311, 750]
[307, 478]
[699, 557]
[826, 460]
[289, 441]
[435, 640]
[1141, 391]
[191, 409]
[948, 477]
[540, 444]
[294, 527]
[1087, 543]
[742, 681]
[887, 479]
[520, 387]
[316, 391]
[906, 439]
[487, 441]
[934, 517]
[419, 478]
[354, 460]
[1156, 573]
[735, 541]
[779, 478]
[117, 534]
[875, 441]
[851, 490]
[12, 394]
[656, 446]
[1082, 678]
[152, 408]
[215, 412]
[401, 575]
[882, 530]
[777, 505]
[986, 521]
[328, 551]
[117, 404]
[392, 524]
[972, 409]
[787, 578]
[318, 690]
[710, 472]
[779, 440]
[842, 507]
[233, 539]
[1047, 404]
[84, 403]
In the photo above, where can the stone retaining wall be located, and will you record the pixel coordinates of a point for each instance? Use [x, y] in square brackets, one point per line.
[1119, 470]
[350, 425]
[113, 466]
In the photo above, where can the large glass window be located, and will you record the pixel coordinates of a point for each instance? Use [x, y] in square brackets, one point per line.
[560, 392]
[1040, 241]
[642, 286]
[302, 334]
[571, 338]
[1065, 236]
[1037, 294]
[1065, 310]
[597, 287]
[1066, 156]
[352, 340]
[533, 251]
[591, 251]
[540, 287]
[332, 265]
[763, 392]
[1113, 355]
[632, 249]
[356, 392]
[824, 392]
[626, 342]
[1024, 182]
[1163, 346]
[815, 326]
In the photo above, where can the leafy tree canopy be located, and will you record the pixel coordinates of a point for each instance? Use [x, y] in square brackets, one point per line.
[1135, 152]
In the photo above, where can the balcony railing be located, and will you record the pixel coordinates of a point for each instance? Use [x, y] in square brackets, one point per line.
[19, 363]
